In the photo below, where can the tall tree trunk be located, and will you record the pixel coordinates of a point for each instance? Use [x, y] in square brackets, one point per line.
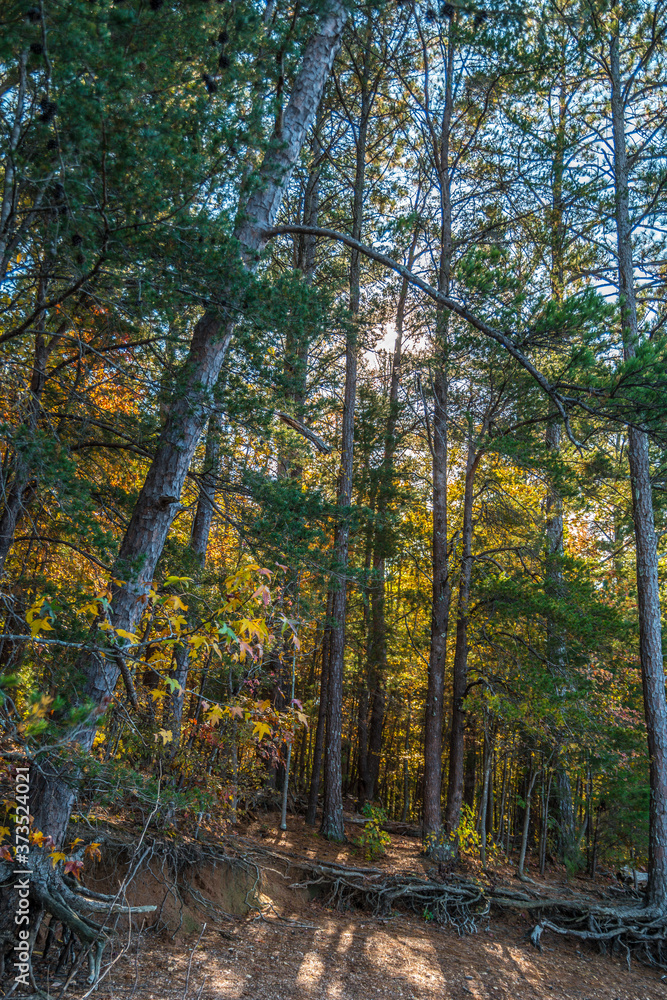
[332, 813]
[460, 671]
[553, 570]
[318, 750]
[199, 538]
[470, 767]
[441, 588]
[486, 784]
[159, 498]
[406, 764]
[648, 592]
[530, 783]
[375, 738]
[362, 740]
[383, 546]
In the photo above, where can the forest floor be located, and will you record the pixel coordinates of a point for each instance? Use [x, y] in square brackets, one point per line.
[298, 949]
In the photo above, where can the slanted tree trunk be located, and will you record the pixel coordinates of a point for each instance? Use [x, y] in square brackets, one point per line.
[648, 592]
[16, 479]
[158, 501]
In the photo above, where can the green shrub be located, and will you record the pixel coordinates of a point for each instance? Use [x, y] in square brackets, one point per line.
[373, 841]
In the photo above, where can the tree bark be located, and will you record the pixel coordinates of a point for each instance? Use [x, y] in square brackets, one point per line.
[648, 592]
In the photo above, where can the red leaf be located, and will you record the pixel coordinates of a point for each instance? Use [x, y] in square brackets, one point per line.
[74, 867]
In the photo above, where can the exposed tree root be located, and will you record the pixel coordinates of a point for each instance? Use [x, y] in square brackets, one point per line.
[458, 902]
[636, 930]
[57, 900]
[639, 931]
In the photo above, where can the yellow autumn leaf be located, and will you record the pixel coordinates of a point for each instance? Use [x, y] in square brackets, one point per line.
[127, 635]
[176, 603]
[39, 625]
[156, 694]
[178, 622]
[215, 714]
[198, 640]
[166, 734]
[35, 609]
[261, 729]
[57, 856]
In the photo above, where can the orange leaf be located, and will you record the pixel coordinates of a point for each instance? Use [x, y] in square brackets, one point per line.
[93, 852]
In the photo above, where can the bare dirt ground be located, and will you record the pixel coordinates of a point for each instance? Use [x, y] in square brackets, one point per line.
[297, 949]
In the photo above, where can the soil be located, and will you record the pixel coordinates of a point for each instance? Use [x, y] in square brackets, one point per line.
[297, 949]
